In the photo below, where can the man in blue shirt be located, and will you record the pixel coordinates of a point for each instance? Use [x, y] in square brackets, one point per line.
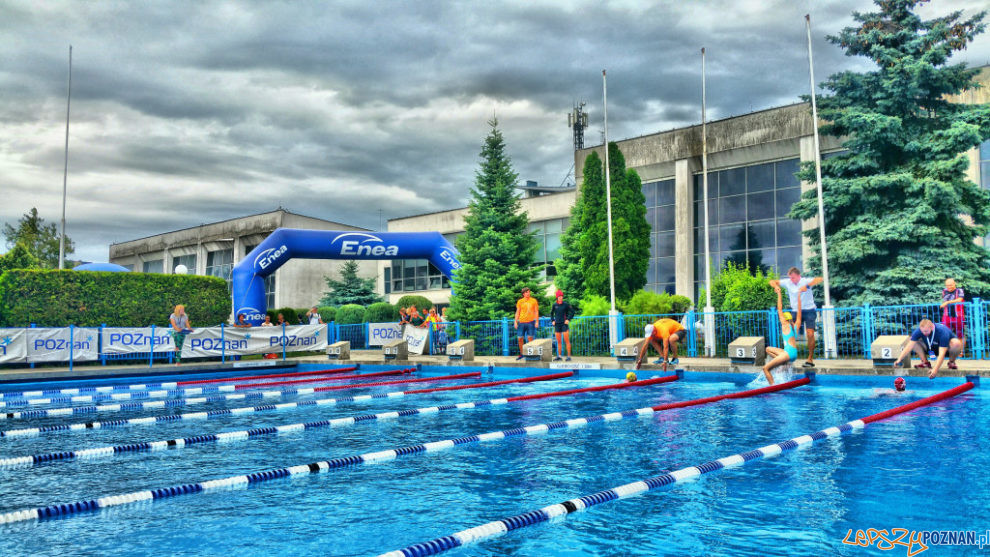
[931, 337]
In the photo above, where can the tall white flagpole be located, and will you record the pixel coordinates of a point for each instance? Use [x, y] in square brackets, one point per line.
[828, 315]
[65, 171]
[613, 314]
[709, 319]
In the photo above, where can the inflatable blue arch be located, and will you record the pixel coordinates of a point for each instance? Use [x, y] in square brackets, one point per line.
[283, 244]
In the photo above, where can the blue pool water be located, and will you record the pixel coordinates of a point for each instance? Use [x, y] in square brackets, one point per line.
[921, 471]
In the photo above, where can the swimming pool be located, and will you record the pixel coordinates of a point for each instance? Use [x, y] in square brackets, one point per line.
[920, 471]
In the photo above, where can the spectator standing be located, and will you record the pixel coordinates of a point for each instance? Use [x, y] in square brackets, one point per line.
[433, 322]
[180, 328]
[800, 287]
[935, 338]
[313, 317]
[560, 317]
[281, 320]
[953, 310]
[527, 314]
[267, 322]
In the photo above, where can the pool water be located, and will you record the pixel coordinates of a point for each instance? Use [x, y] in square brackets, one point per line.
[920, 471]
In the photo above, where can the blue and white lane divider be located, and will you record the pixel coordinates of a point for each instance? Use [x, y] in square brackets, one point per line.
[163, 393]
[232, 482]
[559, 512]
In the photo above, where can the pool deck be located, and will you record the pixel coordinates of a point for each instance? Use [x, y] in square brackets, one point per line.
[374, 357]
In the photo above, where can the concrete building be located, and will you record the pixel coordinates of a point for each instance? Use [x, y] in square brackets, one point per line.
[213, 249]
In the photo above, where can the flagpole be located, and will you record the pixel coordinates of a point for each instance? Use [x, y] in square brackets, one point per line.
[65, 171]
[828, 315]
[709, 320]
[613, 313]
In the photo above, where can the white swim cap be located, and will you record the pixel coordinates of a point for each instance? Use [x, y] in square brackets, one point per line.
[648, 330]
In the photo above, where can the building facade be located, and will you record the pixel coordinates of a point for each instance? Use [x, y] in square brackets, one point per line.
[213, 250]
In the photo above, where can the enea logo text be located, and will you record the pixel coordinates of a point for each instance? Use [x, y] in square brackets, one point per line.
[251, 314]
[449, 258]
[269, 256]
[367, 245]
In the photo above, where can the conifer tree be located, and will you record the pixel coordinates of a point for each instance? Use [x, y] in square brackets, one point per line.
[900, 213]
[496, 249]
[350, 289]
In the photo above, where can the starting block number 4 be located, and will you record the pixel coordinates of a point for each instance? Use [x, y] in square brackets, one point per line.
[458, 351]
[530, 351]
[741, 352]
[886, 353]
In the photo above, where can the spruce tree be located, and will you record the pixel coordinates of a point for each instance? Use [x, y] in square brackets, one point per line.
[39, 238]
[584, 257]
[496, 249]
[901, 216]
[350, 289]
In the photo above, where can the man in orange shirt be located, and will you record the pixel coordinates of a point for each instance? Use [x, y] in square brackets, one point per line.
[663, 334]
[527, 314]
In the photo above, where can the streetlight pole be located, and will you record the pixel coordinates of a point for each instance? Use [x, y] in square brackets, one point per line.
[613, 314]
[709, 318]
[65, 171]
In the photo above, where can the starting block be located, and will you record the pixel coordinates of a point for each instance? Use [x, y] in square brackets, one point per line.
[539, 350]
[628, 349]
[462, 350]
[886, 348]
[748, 350]
[339, 350]
[396, 350]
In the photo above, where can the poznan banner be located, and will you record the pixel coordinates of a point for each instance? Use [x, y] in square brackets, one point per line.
[380, 334]
[235, 341]
[62, 344]
[130, 340]
[416, 338]
[13, 345]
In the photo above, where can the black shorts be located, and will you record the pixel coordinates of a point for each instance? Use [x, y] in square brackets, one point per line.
[560, 328]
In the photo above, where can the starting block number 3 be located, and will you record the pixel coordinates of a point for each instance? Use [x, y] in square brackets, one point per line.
[741, 352]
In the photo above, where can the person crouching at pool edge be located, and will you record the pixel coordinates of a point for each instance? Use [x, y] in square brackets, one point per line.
[663, 335]
[937, 338]
[781, 356]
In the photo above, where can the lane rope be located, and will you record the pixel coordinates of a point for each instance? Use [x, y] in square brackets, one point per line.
[287, 428]
[214, 413]
[560, 511]
[179, 391]
[232, 482]
[165, 385]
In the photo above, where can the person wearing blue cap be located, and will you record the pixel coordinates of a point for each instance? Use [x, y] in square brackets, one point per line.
[788, 353]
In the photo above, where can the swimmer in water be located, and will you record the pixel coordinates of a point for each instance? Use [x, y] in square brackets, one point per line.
[630, 377]
[788, 353]
[900, 388]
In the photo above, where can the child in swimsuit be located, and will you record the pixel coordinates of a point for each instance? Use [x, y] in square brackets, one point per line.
[781, 356]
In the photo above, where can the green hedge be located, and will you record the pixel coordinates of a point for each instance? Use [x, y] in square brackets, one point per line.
[328, 313]
[381, 312]
[51, 298]
[422, 303]
[349, 314]
[290, 315]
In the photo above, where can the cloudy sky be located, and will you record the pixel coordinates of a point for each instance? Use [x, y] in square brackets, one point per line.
[185, 113]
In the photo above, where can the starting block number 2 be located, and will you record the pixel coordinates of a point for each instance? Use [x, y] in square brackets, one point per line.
[741, 352]
[886, 353]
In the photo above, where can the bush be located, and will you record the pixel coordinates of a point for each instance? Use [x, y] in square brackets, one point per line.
[381, 312]
[422, 303]
[18, 258]
[349, 314]
[290, 315]
[594, 305]
[650, 303]
[51, 298]
[735, 288]
[328, 313]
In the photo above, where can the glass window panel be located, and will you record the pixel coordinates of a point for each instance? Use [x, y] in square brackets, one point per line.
[409, 284]
[985, 150]
[421, 283]
[154, 266]
[665, 218]
[665, 244]
[654, 245]
[188, 260]
[712, 186]
[444, 282]
[666, 271]
[784, 171]
[434, 283]
[763, 258]
[732, 237]
[555, 226]
[759, 206]
[787, 258]
[759, 177]
[731, 182]
[788, 232]
[699, 268]
[651, 271]
[737, 258]
[651, 218]
[699, 240]
[732, 209]
[650, 193]
[535, 227]
[665, 192]
[422, 268]
[668, 288]
[786, 198]
[761, 235]
[699, 213]
[553, 247]
[985, 174]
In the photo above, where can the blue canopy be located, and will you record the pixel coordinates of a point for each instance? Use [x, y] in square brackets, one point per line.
[106, 267]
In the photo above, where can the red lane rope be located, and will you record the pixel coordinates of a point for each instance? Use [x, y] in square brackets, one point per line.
[400, 381]
[548, 377]
[919, 403]
[325, 379]
[642, 383]
[739, 394]
[272, 376]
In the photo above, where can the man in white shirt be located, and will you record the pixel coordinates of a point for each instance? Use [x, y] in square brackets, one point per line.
[798, 286]
[314, 317]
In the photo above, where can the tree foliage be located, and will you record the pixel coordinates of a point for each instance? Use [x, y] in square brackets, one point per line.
[39, 238]
[583, 267]
[900, 213]
[496, 250]
[738, 287]
[350, 289]
[20, 257]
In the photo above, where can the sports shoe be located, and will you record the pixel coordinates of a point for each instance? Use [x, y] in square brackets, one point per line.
[923, 365]
[952, 365]
[519, 357]
[568, 358]
[675, 361]
[808, 364]
[658, 362]
[557, 358]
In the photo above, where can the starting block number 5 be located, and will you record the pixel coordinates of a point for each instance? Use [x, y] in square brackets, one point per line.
[885, 353]
[531, 352]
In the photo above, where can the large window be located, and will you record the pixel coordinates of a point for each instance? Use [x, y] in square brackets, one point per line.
[220, 263]
[660, 215]
[408, 275]
[188, 260]
[547, 234]
[747, 218]
[153, 266]
[269, 281]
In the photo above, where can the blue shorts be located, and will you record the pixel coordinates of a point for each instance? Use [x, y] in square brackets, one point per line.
[808, 319]
[527, 329]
